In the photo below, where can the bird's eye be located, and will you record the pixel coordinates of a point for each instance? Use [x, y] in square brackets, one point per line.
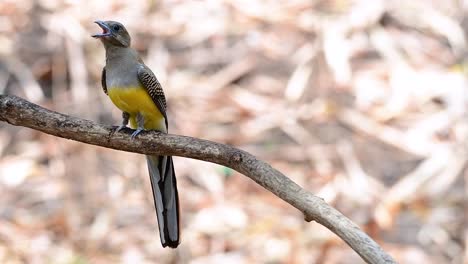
[116, 27]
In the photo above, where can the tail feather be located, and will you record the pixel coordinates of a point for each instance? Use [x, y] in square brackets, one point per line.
[166, 198]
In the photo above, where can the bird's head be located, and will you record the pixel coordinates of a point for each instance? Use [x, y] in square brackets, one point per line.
[113, 33]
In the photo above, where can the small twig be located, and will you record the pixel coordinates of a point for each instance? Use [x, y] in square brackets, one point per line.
[20, 112]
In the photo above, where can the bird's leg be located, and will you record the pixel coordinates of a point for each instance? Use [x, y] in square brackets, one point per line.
[140, 123]
[125, 117]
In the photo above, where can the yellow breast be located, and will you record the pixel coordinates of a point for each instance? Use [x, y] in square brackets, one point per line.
[136, 100]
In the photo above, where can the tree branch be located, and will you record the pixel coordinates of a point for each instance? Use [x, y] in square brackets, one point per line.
[20, 112]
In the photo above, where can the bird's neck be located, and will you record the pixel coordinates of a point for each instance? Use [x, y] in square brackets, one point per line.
[116, 54]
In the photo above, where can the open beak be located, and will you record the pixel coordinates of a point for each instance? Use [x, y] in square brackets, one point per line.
[106, 32]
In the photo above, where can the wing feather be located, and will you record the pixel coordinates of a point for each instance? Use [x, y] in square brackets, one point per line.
[103, 80]
[154, 88]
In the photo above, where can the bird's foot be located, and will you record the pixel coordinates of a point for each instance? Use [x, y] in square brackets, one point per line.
[117, 129]
[136, 132]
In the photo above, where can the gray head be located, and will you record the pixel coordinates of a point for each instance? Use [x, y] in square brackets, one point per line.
[113, 34]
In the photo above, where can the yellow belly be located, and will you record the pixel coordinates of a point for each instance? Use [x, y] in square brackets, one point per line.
[137, 100]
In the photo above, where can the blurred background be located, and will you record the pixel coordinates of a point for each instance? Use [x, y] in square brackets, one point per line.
[360, 102]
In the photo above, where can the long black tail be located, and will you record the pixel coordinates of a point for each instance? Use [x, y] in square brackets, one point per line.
[166, 198]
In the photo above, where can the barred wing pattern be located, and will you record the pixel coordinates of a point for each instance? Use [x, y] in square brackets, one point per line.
[152, 85]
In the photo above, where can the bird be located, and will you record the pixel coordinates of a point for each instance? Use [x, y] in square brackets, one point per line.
[135, 90]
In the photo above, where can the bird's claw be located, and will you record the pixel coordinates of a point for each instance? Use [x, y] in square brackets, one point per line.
[136, 132]
[117, 129]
